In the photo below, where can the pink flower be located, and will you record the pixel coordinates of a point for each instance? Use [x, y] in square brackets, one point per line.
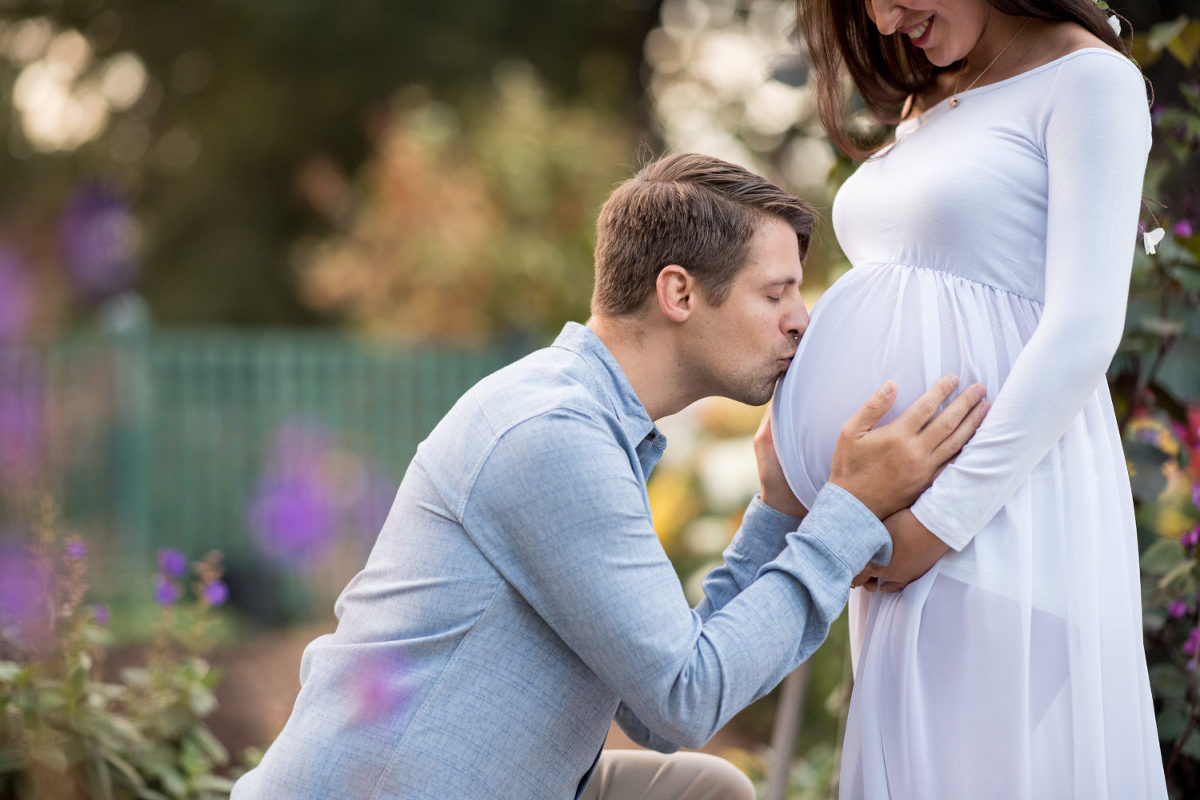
[1192, 644]
[1191, 538]
[1177, 609]
[1183, 228]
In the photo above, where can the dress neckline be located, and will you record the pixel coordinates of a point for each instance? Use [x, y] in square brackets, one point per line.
[911, 123]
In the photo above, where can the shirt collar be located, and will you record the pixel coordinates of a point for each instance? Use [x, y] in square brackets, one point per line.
[615, 385]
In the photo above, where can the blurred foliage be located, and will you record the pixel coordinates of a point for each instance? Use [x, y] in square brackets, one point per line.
[468, 225]
[1156, 386]
[65, 731]
[201, 118]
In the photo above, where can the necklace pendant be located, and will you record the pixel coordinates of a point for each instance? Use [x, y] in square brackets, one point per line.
[954, 102]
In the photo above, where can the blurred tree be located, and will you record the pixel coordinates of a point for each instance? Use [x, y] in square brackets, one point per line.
[469, 225]
[196, 118]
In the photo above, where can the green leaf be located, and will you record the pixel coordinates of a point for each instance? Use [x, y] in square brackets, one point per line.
[1161, 34]
[1161, 557]
[10, 761]
[49, 755]
[1178, 574]
[212, 783]
[1171, 722]
[1146, 476]
[127, 771]
[1169, 682]
[1186, 45]
[170, 778]
[1178, 374]
[209, 745]
[1191, 748]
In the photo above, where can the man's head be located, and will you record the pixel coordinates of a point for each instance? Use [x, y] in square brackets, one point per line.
[690, 210]
[698, 262]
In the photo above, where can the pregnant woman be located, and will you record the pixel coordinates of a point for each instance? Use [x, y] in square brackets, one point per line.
[991, 238]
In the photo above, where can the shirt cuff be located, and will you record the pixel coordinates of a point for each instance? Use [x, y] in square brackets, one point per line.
[848, 529]
[763, 532]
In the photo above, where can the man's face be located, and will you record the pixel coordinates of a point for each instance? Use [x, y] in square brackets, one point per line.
[742, 347]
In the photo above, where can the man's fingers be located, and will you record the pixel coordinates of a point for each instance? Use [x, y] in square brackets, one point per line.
[953, 414]
[920, 412]
[876, 406]
[891, 586]
[954, 442]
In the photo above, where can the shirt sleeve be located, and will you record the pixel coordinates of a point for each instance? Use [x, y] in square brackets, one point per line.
[574, 537]
[1096, 140]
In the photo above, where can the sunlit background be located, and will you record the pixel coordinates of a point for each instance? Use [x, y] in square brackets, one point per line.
[250, 252]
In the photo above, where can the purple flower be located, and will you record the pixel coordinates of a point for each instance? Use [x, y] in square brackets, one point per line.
[25, 603]
[1196, 495]
[17, 296]
[1183, 228]
[216, 593]
[22, 418]
[172, 563]
[293, 519]
[100, 614]
[76, 550]
[98, 237]
[1191, 538]
[166, 591]
[1177, 608]
[1192, 644]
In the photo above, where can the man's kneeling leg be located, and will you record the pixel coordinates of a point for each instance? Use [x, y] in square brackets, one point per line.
[647, 775]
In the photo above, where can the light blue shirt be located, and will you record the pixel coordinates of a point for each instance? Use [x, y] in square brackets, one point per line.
[518, 594]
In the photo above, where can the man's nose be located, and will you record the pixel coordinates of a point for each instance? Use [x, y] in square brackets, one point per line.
[797, 322]
[886, 15]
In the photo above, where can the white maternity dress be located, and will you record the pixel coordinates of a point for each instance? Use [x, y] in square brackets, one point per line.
[994, 241]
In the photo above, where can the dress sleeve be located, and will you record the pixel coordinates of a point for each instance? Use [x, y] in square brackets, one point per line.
[575, 539]
[1096, 137]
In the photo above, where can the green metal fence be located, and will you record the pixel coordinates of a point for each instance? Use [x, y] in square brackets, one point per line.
[284, 447]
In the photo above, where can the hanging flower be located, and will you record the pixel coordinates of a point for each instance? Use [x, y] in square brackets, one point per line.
[1150, 240]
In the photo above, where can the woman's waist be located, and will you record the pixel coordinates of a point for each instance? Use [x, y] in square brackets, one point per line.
[972, 277]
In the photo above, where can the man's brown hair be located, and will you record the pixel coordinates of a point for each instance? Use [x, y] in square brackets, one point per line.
[692, 210]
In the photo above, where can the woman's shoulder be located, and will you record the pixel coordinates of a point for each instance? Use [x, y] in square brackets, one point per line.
[1074, 48]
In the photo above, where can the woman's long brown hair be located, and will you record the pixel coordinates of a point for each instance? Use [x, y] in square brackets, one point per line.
[841, 39]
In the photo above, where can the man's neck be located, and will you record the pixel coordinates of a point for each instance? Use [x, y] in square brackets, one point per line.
[648, 360]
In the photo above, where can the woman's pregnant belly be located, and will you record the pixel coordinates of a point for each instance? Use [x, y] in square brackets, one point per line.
[889, 322]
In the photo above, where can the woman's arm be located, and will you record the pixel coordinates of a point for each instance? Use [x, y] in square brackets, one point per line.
[1096, 139]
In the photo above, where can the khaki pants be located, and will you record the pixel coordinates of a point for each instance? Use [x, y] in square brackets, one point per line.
[646, 775]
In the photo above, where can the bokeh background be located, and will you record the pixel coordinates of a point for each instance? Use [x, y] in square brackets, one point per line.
[250, 252]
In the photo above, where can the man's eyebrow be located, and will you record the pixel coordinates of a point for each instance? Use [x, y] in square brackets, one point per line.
[783, 282]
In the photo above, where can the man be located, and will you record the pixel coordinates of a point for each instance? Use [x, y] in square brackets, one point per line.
[518, 598]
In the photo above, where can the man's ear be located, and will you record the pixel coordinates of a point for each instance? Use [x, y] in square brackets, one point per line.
[675, 290]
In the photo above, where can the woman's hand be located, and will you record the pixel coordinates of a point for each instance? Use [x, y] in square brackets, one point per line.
[914, 551]
[775, 490]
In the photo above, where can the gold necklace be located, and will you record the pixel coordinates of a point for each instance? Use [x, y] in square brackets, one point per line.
[958, 77]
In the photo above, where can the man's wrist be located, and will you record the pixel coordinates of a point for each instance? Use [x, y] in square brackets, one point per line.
[789, 506]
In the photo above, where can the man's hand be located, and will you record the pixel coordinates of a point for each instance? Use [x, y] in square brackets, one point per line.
[914, 551]
[775, 490]
[887, 468]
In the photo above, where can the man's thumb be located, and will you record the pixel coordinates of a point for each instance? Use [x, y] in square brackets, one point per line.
[876, 406]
